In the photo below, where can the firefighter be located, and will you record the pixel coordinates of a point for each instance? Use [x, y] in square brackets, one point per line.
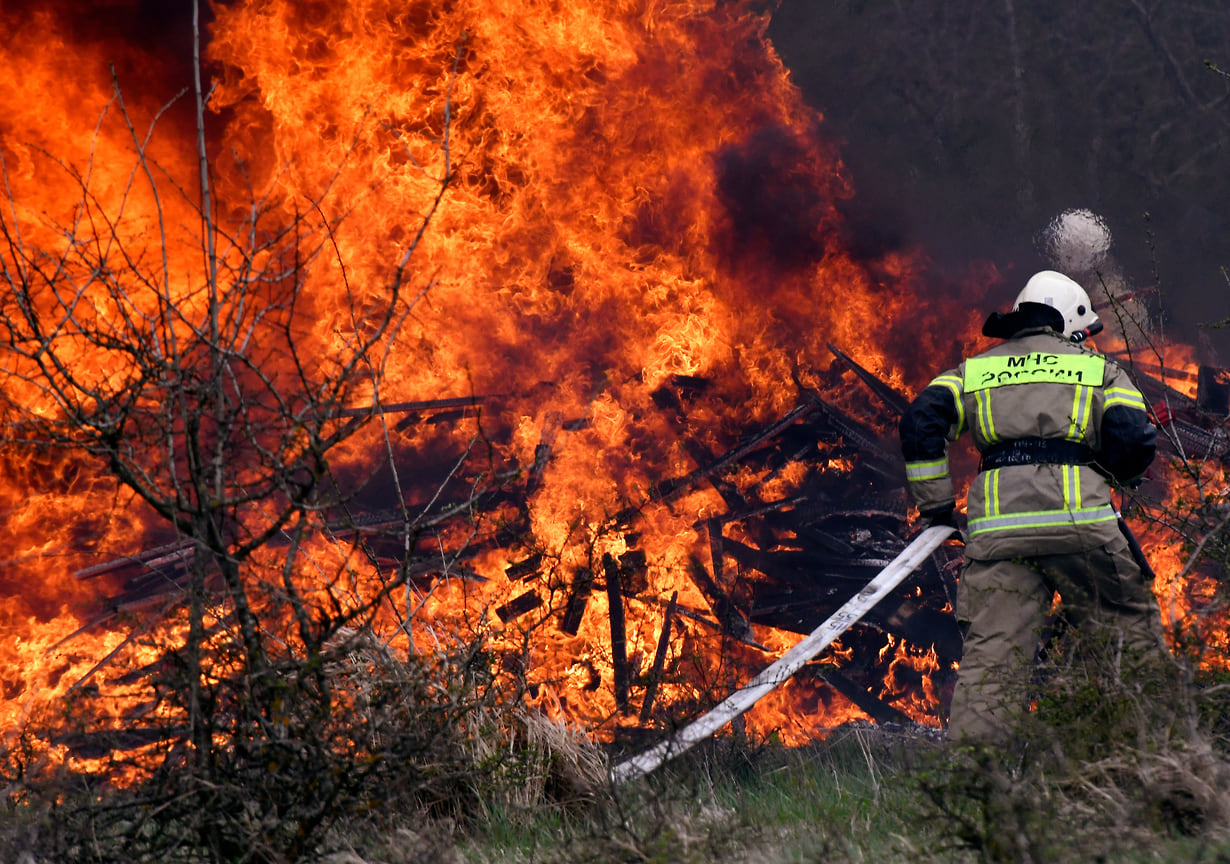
[1056, 424]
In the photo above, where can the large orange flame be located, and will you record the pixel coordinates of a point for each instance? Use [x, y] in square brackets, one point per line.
[635, 193]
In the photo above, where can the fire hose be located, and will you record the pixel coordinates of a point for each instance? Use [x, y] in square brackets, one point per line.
[785, 666]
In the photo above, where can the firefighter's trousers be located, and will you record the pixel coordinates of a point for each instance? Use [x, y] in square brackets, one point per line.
[1004, 606]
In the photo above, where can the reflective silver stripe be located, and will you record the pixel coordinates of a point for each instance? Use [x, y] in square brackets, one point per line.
[933, 470]
[1082, 406]
[986, 423]
[1042, 519]
[1124, 396]
[953, 383]
[1071, 487]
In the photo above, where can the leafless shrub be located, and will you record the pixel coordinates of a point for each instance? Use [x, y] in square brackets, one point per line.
[277, 704]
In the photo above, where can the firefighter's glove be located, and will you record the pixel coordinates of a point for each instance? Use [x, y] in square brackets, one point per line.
[945, 516]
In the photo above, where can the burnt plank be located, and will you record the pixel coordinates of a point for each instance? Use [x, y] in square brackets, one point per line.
[860, 696]
[619, 643]
[578, 599]
[897, 402]
[659, 659]
[523, 570]
[404, 407]
[667, 489]
[734, 622]
[715, 548]
[864, 440]
[518, 606]
[136, 560]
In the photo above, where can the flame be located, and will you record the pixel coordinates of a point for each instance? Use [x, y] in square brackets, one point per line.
[636, 195]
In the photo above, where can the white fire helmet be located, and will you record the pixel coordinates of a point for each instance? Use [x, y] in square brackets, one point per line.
[1069, 298]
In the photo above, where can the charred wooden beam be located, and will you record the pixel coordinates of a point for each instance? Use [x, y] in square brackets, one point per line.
[715, 548]
[878, 711]
[518, 606]
[684, 611]
[777, 463]
[421, 516]
[177, 549]
[1213, 391]
[578, 599]
[523, 570]
[882, 389]
[1135, 364]
[633, 572]
[1198, 443]
[99, 745]
[804, 566]
[827, 540]
[1156, 389]
[734, 622]
[659, 659]
[866, 442]
[619, 644]
[551, 425]
[785, 504]
[404, 407]
[668, 489]
[731, 495]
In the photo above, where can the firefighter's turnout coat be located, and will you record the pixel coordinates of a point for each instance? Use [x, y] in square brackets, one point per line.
[1052, 420]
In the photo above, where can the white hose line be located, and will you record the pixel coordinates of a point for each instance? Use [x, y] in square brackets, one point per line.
[785, 666]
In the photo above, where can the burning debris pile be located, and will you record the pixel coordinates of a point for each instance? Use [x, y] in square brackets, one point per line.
[783, 555]
[584, 278]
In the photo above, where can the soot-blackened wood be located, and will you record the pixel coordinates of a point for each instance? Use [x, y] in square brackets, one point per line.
[734, 623]
[139, 559]
[542, 453]
[746, 513]
[1199, 443]
[803, 568]
[633, 570]
[518, 606]
[668, 489]
[426, 405]
[829, 541]
[619, 645]
[99, 745]
[1213, 391]
[393, 521]
[1155, 388]
[863, 439]
[524, 570]
[659, 659]
[895, 401]
[578, 599]
[869, 704]
[715, 548]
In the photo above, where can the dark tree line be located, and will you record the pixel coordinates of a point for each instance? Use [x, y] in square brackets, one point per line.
[967, 126]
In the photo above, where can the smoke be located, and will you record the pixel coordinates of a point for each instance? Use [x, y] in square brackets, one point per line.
[1076, 242]
[776, 201]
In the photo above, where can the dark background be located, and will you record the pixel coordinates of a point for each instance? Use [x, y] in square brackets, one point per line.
[968, 125]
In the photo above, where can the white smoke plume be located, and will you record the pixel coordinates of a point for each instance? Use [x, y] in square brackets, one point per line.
[1076, 242]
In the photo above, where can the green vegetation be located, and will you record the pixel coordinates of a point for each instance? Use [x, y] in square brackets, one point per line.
[1088, 776]
[1101, 769]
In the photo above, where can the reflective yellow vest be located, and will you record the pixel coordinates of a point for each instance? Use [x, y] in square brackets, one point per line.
[1039, 386]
